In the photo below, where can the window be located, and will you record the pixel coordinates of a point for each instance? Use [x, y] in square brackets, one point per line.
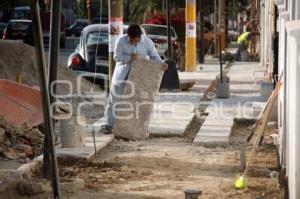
[21, 26]
[157, 30]
[95, 37]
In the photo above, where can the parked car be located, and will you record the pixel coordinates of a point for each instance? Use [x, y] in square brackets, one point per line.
[2, 28]
[85, 61]
[19, 30]
[159, 35]
[24, 12]
[76, 28]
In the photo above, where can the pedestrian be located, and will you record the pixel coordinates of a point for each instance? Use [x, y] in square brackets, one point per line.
[130, 47]
[243, 42]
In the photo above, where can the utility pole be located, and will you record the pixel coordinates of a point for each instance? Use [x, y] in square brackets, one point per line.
[89, 5]
[115, 12]
[201, 43]
[190, 37]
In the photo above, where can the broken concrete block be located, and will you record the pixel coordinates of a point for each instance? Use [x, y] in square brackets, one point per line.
[133, 112]
[10, 154]
[34, 134]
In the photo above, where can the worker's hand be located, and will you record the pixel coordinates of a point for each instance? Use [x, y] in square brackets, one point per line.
[135, 57]
[164, 67]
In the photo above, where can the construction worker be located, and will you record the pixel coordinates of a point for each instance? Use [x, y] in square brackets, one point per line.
[243, 42]
[130, 47]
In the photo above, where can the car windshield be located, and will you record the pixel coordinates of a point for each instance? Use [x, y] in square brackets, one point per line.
[157, 30]
[95, 37]
[22, 26]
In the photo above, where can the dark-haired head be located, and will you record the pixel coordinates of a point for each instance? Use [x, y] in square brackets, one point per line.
[134, 32]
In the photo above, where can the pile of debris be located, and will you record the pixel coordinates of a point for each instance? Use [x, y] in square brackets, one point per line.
[19, 143]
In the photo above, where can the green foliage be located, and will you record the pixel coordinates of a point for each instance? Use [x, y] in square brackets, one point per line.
[81, 9]
[137, 11]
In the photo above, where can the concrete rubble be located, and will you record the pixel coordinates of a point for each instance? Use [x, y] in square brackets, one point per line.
[20, 142]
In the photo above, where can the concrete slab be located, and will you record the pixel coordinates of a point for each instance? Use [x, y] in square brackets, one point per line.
[132, 123]
[167, 130]
[218, 122]
[221, 112]
[70, 155]
[216, 131]
[83, 153]
[208, 140]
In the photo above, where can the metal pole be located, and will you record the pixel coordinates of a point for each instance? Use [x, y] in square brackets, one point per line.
[115, 10]
[54, 45]
[169, 29]
[201, 44]
[221, 63]
[54, 52]
[215, 28]
[44, 87]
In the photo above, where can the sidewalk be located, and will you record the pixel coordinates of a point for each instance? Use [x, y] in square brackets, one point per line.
[174, 111]
[221, 112]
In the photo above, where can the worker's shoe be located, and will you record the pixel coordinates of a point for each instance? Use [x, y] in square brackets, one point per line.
[105, 129]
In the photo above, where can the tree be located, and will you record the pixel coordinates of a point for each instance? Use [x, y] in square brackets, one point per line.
[138, 11]
[81, 9]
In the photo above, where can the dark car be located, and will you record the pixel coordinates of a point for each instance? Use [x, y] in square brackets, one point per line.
[84, 61]
[19, 30]
[75, 29]
[2, 28]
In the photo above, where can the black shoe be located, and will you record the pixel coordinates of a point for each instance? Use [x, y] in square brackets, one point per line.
[105, 129]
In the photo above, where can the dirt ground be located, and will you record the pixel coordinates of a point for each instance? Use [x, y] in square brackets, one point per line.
[164, 167]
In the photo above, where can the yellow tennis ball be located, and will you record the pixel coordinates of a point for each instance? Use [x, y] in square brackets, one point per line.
[240, 183]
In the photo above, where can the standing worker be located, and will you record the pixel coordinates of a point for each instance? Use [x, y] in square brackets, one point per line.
[130, 47]
[243, 42]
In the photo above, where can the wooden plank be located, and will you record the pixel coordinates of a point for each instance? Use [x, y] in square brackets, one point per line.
[145, 78]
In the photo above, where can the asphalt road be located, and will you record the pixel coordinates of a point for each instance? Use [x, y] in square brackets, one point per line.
[63, 55]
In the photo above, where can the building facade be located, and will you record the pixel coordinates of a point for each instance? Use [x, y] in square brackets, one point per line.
[287, 24]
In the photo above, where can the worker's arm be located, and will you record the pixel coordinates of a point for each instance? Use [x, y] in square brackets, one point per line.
[152, 52]
[119, 54]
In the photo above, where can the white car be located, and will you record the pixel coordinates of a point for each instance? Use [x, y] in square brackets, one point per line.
[84, 59]
[159, 35]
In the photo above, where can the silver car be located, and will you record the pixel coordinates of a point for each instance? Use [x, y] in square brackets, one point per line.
[84, 60]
